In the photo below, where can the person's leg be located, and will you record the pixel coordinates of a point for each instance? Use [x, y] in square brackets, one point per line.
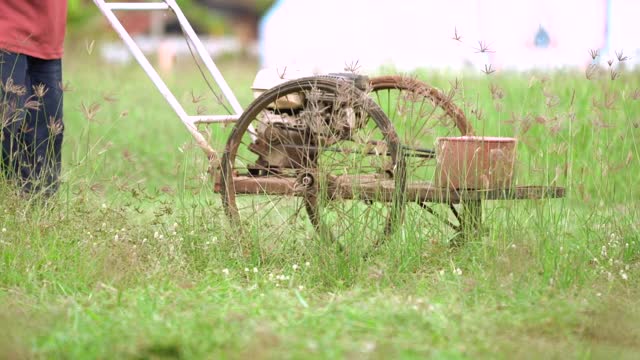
[44, 140]
[14, 90]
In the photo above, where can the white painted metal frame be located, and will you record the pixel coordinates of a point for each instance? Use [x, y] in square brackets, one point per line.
[190, 121]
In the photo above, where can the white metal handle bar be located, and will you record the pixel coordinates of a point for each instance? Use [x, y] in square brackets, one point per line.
[107, 9]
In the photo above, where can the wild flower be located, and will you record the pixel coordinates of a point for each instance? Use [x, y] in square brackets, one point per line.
[621, 57]
[623, 275]
[40, 90]
[11, 88]
[456, 36]
[225, 271]
[352, 67]
[488, 69]
[55, 126]
[614, 74]
[483, 48]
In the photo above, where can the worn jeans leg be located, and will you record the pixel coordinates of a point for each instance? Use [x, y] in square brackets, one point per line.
[14, 88]
[44, 140]
[33, 128]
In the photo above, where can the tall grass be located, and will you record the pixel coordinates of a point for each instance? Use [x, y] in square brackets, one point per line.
[135, 258]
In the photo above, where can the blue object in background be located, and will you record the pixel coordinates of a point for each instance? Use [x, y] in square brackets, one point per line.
[542, 39]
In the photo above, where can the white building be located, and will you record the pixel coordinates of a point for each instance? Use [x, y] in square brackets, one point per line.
[407, 34]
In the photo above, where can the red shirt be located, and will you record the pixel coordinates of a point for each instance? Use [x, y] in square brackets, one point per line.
[33, 27]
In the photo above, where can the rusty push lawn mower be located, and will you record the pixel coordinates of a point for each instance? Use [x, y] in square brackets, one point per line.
[343, 156]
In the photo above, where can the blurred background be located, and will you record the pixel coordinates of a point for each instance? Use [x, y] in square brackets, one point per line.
[404, 34]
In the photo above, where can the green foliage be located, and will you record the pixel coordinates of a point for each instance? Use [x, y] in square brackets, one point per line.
[79, 12]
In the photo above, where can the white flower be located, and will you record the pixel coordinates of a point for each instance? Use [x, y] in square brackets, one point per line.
[603, 251]
[255, 269]
[294, 267]
[246, 269]
[4, 229]
[225, 271]
[457, 271]
[307, 264]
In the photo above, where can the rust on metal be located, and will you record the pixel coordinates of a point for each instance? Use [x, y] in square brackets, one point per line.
[381, 188]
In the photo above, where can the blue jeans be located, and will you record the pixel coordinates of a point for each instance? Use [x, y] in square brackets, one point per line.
[31, 114]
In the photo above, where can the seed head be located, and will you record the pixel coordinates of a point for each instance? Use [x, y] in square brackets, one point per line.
[456, 37]
[621, 57]
[488, 69]
[55, 126]
[483, 48]
[40, 90]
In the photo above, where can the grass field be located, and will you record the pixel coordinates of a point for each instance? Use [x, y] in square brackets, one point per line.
[134, 257]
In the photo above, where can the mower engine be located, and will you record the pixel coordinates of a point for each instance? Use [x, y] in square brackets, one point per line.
[292, 128]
